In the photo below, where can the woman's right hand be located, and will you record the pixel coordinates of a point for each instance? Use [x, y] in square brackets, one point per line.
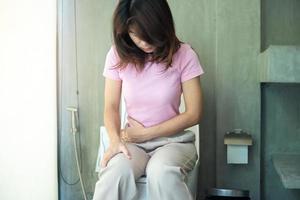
[113, 149]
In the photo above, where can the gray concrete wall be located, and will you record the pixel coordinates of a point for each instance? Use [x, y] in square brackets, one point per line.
[237, 89]
[280, 102]
[93, 41]
[280, 22]
[280, 134]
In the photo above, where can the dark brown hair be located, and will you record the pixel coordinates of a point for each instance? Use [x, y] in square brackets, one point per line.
[153, 22]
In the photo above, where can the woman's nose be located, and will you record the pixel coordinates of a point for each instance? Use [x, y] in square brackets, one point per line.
[144, 44]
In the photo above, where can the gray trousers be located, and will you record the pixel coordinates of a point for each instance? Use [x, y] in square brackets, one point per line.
[165, 161]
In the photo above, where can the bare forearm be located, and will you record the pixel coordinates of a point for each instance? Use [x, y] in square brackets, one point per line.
[112, 124]
[172, 126]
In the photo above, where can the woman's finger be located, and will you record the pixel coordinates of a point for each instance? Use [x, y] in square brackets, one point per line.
[124, 136]
[124, 149]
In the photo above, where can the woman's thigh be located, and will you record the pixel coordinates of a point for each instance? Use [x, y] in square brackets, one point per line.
[120, 164]
[183, 155]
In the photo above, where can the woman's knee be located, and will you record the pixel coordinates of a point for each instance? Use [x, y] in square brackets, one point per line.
[115, 179]
[162, 173]
[118, 168]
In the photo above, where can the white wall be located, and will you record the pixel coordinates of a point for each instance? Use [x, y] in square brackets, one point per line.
[28, 134]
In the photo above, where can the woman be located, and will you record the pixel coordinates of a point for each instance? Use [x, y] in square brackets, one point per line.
[152, 68]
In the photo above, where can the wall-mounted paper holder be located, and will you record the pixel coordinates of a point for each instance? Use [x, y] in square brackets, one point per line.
[237, 142]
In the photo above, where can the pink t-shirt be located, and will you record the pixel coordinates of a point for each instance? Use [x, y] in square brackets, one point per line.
[153, 95]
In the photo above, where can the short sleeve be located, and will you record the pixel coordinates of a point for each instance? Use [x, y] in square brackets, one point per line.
[110, 70]
[191, 66]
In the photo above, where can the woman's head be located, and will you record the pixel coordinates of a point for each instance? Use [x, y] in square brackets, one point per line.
[143, 27]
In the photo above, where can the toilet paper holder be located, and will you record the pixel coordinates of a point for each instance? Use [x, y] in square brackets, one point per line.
[237, 142]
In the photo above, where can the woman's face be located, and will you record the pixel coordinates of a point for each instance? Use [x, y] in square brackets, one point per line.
[147, 48]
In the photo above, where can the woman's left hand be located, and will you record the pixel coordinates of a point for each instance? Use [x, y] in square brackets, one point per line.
[133, 133]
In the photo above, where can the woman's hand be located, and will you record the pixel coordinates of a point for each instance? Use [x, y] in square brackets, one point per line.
[134, 133]
[113, 149]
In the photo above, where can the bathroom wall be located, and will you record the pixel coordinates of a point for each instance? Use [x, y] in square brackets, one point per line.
[28, 135]
[237, 89]
[280, 135]
[81, 85]
[280, 101]
[280, 22]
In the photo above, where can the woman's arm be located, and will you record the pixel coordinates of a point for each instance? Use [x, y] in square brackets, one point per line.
[112, 96]
[112, 120]
[192, 94]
